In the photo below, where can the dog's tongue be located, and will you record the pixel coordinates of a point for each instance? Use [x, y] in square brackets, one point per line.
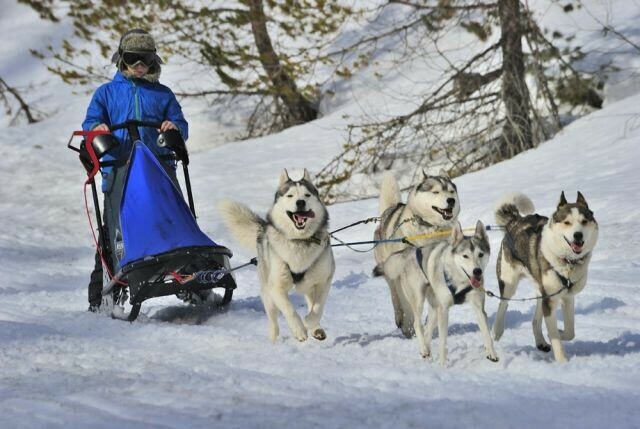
[300, 216]
[476, 283]
[577, 248]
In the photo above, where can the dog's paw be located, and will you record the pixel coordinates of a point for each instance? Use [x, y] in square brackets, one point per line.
[493, 357]
[408, 331]
[544, 347]
[300, 333]
[319, 334]
[425, 353]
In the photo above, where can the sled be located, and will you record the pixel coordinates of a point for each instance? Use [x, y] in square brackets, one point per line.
[150, 243]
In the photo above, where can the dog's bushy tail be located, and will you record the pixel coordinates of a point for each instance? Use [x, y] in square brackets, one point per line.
[389, 192]
[378, 270]
[512, 206]
[243, 223]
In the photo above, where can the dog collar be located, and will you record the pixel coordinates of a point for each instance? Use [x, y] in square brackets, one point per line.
[566, 282]
[420, 221]
[312, 239]
[573, 262]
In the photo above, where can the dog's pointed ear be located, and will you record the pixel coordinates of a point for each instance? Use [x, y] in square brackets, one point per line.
[481, 231]
[306, 176]
[563, 200]
[581, 200]
[456, 234]
[284, 177]
[424, 174]
[443, 173]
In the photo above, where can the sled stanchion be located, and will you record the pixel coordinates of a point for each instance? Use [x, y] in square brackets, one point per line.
[187, 183]
[96, 206]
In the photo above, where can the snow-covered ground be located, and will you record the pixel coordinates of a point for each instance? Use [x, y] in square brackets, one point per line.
[194, 367]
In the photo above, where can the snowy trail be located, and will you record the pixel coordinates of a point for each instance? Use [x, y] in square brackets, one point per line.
[194, 367]
[181, 366]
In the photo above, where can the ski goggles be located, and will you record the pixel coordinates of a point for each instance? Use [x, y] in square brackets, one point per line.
[133, 58]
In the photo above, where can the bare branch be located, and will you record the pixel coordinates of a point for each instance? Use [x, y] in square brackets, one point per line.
[473, 6]
[23, 105]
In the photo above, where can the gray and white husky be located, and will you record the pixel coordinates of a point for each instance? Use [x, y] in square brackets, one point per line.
[445, 273]
[554, 252]
[293, 250]
[433, 205]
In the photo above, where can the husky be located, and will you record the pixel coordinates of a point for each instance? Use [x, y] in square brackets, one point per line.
[446, 273]
[293, 250]
[554, 252]
[432, 206]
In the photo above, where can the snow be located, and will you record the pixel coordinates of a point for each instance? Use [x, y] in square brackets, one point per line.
[195, 367]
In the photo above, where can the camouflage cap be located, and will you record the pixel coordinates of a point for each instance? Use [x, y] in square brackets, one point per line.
[137, 40]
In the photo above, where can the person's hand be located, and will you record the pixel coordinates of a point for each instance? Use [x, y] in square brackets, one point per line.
[101, 127]
[167, 125]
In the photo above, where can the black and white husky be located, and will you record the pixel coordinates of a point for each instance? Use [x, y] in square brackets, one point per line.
[433, 205]
[554, 252]
[445, 273]
[293, 250]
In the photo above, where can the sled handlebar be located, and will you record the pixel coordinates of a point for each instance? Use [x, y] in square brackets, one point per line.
[170, 139]
[131, 123]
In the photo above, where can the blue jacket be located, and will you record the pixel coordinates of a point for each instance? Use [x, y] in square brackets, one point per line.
[124, 98]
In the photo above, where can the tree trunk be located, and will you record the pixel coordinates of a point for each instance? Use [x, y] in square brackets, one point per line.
[516, 133]
[299, 108]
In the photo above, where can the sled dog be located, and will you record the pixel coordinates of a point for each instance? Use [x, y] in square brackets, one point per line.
[432, 206]
[554, 252]
[445, 273]
[293, 250]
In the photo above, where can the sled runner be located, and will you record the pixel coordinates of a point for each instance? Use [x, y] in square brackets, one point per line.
[150, 243]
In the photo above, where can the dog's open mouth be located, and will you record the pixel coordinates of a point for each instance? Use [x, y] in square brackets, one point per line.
[300, 218]
[576, 246]
[475, 282]
[447, 214]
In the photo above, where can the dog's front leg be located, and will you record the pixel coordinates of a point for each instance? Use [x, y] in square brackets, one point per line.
[443, 331]
[280, 297]
[568, 314]
[316, 299]
[552, 328]
[483, 324]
